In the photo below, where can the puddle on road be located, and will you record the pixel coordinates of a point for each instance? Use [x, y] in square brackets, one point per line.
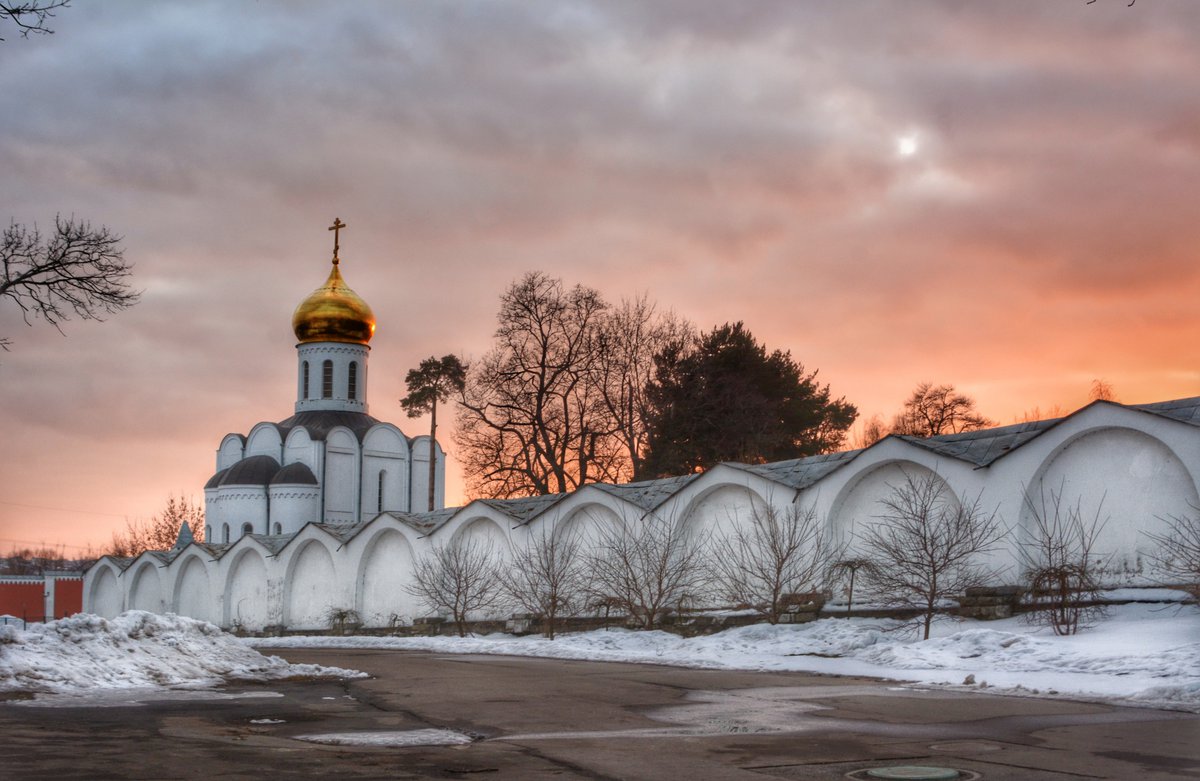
[761, 711]
[390, 738]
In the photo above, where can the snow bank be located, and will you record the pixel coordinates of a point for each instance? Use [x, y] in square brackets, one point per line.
[85, 653]
[1139, 654]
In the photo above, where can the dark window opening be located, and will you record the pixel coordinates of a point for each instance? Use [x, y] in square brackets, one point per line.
[352, 387]
[327, 380]
[305, 381]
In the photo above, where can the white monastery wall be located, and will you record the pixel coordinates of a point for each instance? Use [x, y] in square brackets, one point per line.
[1136, 467]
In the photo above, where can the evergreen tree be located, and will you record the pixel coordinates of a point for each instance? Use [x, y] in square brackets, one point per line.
[723, 397]
[432, 382]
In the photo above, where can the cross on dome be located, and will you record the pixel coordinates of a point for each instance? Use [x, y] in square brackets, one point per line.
[336, 227]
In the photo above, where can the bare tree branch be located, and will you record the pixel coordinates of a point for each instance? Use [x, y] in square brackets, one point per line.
[78, 270]
[1057, 555]
[31, 16]
[649, 570]
[547, 578]
[1177, 553]
[460, 578]
[775, 554]
[925, 544]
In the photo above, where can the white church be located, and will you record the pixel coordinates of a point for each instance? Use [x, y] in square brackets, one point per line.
[327, 510]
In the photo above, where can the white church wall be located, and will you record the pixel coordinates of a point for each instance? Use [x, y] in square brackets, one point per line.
[585, 522]
[719, 508]
[299, 447]
[385, 451]
[418, 475]
[240, 505]
[859, 505]
[105, 596]
[264, 440]
[292, 506]
[341, 355]
[231, 451]
[1125, 479]
[193, 593]
[311, 586]
[384, 573]
[248, 595]
[488, 532]
[146, 587]
[341, 482]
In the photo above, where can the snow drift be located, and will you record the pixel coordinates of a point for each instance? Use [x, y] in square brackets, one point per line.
[135, 650]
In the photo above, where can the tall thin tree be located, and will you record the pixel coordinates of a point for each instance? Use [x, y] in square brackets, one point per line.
[434, 381]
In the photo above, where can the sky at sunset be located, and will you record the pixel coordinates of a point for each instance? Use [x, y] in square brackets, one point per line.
[1002, 196]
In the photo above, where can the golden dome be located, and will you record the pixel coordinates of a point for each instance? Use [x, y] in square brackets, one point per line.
[334, 313]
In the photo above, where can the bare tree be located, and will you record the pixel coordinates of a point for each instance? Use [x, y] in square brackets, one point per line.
[649, 571]
[1057, 555]
[31, 16]
[547, 577]
[871, 431]
[629, 336]
[37, 561]
[925, 545]
[78, 270]
[775, 554]
[459, 578]
[531, 420]
[938, 409]
[161, 531]
[431, 383]
[1102, 390]
[1177, 553]
[849, 569]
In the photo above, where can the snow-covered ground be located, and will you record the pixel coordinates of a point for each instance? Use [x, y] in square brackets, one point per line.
[86, 654]
[1138, 654]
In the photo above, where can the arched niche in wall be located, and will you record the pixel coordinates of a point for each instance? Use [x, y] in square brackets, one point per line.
[589, 524]
[1125, 479]
[859, 504]
[247, 591]
[146, 593]
[384, 575]
[104, 597]
[309, 587]
[723, 507]
[193, 591]
[486, 533]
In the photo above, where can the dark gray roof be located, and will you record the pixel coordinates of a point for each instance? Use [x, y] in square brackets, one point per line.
[272, 542]
[165, 556]
[294, 474]
[525, 508]
[343, 532]
[983, 447]
[799, 473]
[255, 470]
[646, 494]
[319, 423]
[215, 480]
[425, 523]
[1183, 410]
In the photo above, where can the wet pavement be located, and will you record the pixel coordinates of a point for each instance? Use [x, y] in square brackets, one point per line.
[536, 718]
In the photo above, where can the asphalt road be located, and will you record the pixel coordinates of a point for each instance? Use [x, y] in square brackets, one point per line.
[541, 719]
